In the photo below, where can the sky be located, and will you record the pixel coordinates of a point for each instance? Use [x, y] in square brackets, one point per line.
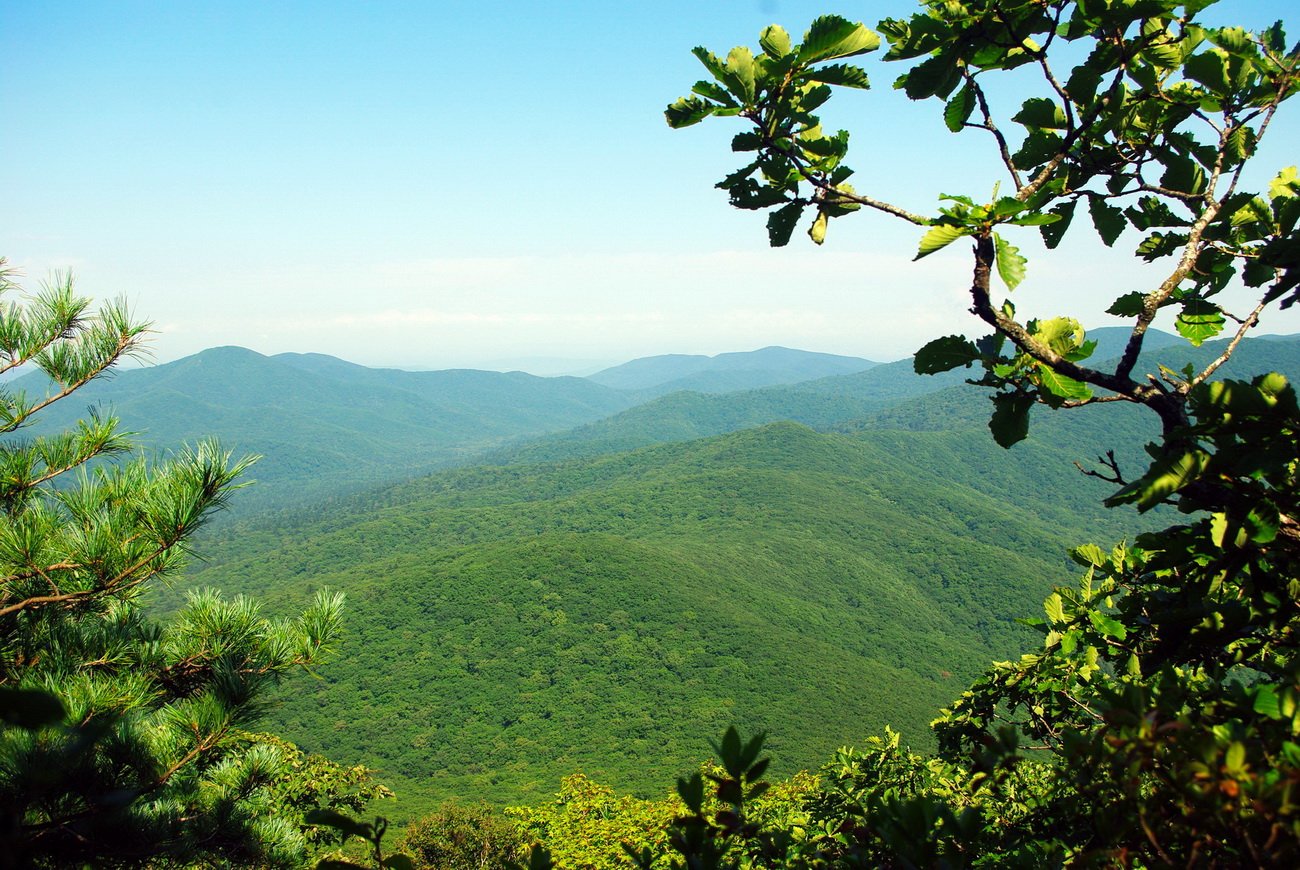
[477, 184]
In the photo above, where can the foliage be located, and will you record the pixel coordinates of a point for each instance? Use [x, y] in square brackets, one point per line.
[588, 826]
[460, 836]
[600, 614]
[1162, 705]
[311, 782]
[369, 833]
[123, 740]
[326, 426]
[1161, 117]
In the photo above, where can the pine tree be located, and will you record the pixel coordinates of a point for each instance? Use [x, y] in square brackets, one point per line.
[123, 740]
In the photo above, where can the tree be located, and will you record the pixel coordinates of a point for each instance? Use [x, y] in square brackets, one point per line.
[1158, 723]
[123, 740]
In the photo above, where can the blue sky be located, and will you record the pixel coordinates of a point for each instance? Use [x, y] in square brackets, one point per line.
[470, 184]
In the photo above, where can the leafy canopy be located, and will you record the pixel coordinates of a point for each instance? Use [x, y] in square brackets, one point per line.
[1151, 132]
[1157, 724]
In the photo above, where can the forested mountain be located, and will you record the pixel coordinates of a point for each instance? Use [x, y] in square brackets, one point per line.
[513, 623]
[325, 425]
[876, 397]
[660, 375]
[509, 625]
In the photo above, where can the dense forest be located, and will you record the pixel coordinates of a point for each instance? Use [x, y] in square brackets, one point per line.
[1027, 599]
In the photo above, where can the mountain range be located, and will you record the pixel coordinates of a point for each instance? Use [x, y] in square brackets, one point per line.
[618, 578]
[326, 426]
[660, 375]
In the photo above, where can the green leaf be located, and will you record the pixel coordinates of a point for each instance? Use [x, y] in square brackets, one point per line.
[1162, 47]
[399, 862]
[1062, 334]
[1089, 555]
[1219, 527]
[1108, 626]
[817, 232]
[936, 76]
[1054, 232]
[831, 36]
[1234, 40]
[1128, 305]
[1256, 210]
[1060, 386]
[1199, 320]
[1275, 38]
[1209, 68]
[740, 65]
[1152, 212]
[1183, 174]
[1010, 262]
[1108, 220]
[1054, 608]
[781, 223]
[774, 41]
[1166, 476]
[1263, 523]
[958, 109]
[1234, 760]
[691, 791]
[1039, 147]
[1266, 702]
[1240, 145]
[714, 91]
[938, 237]
[711, 62]
[945, 354]
[1005, 207]
[1010, 421]
[1158, 245]
[687, 111]
[539, 858]
[1069, 641]
[841, 74]
[338, 821]
[1285, 184]
[1035, 220]
[1039, 113]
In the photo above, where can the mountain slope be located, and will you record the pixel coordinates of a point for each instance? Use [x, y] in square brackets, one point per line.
[890, 395]
[659, 375]
[508, 625]
[325, 425]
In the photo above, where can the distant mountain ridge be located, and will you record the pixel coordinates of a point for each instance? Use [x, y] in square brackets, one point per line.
[660, 375]
[879, 396]
[327, 426]
[324, 425]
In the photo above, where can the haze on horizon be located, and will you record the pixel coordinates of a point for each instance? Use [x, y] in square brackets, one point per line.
[475, 185]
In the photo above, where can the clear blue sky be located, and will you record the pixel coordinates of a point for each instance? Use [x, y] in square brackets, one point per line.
[468, 183]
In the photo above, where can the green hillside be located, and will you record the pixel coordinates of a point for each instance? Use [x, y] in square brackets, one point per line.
[890, 395]
[659, 375]
[513, 623]
[509, 625]
[325, 425]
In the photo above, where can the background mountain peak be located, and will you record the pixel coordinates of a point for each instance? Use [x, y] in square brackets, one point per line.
[724, 372]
